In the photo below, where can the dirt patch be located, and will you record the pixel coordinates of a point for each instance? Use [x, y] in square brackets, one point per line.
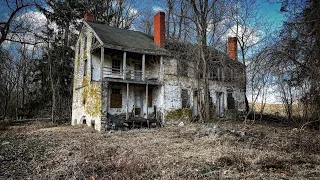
[227, 150]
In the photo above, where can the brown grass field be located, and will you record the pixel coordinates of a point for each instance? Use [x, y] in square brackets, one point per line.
[276, 109]
[229, 150]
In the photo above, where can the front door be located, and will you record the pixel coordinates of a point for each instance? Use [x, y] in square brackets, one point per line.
[137, 104]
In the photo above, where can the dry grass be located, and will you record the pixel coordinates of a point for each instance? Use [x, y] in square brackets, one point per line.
[277, 109]
[41, 151]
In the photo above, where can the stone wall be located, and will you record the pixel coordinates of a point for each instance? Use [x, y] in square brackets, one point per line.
[86, 103]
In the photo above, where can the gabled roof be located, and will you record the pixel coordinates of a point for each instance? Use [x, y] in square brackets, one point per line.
[125, 40]
[184, 49]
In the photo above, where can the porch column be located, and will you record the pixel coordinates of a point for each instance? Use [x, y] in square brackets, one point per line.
[143, 67]
[161, 68]
[124, 65]
[102, 63]
[147, 93]
[127, 103]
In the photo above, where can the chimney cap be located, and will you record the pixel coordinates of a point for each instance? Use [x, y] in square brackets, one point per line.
[88, 16]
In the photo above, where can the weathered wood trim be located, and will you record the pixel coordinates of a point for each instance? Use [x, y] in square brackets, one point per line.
[92, 30]
[102, 63]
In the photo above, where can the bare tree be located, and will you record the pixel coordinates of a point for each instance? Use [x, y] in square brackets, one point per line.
[9, 24]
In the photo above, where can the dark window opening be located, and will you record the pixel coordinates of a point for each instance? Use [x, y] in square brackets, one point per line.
[84, 121]
[150, 98]
[85, 68]
[230, 101]
[85, 44]
[79, 46]
[116, 98]
[185, 98]
[116, 65]
[182, 67]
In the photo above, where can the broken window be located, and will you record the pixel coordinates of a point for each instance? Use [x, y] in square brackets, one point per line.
[116, 65]
[116, 98]
[85, 67]
[230, 101]
[185, 98]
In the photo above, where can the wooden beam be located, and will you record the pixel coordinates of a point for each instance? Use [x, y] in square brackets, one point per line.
[102, 63]
[127, 103]
[143, 67]
[124, 65]
[147, 93]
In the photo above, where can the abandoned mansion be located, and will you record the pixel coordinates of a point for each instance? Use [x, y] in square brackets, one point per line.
[125, 75]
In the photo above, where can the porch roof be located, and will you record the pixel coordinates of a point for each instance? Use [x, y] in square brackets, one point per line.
[125, 40]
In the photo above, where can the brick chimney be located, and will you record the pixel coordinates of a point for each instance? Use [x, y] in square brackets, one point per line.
[88, 17]
[159, 29]
[232, 48]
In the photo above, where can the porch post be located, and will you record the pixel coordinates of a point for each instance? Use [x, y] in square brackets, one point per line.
[124, 65]
[127, 103]
[161, 68]
[143, 67]
[147, 93]
[102, 63]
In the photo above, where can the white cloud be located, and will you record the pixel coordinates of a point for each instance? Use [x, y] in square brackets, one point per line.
[133, 12]
[251, 35]
[157, 8]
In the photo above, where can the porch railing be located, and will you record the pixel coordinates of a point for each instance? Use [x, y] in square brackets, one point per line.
[134, 75]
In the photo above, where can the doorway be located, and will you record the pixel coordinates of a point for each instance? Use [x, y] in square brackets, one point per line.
[219, 104]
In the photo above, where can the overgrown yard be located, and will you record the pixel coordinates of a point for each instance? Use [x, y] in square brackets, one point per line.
[224, 150]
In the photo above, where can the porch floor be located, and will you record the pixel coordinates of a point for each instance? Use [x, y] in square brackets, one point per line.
[139, 122]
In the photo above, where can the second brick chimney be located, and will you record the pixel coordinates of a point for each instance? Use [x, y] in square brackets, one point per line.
[159, 29]
[232, 48]
[88, 17]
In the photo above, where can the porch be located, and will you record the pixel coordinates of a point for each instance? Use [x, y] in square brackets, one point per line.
[132, 104]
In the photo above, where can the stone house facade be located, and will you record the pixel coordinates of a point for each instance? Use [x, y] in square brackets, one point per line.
[127, 74]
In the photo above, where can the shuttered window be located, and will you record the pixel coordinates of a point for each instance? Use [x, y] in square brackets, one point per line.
[116, 99]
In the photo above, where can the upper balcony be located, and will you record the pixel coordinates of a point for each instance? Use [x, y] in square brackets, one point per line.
[138, 69]
[130, 76]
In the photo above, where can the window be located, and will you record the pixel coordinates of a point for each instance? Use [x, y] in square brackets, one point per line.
[79, 46]
[214, 74]
[182, 67]
[116, 65]
[230, 101]
[116, 98]
[85, 67]
[85, 44]
[185, 98]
